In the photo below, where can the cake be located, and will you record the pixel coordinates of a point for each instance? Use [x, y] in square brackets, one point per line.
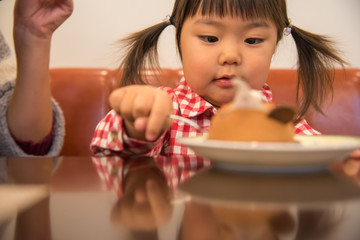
[248, 119]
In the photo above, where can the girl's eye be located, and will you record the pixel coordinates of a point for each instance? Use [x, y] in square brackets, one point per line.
[209, 39]
[254, 40]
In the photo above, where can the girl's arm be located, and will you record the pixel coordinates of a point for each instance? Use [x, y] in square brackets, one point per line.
[29, 113]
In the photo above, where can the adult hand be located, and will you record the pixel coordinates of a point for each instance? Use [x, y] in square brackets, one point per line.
[144, 109]
[29, 114]
[40, 17]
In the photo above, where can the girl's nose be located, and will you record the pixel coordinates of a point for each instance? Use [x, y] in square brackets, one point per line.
[230, 55]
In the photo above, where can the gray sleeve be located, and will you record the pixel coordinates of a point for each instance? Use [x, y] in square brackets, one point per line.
[8, 146]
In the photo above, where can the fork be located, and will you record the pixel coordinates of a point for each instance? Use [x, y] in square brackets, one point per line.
[187, 121]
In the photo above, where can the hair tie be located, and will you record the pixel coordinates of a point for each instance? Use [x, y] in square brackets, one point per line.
[287, 30]
[167, 19]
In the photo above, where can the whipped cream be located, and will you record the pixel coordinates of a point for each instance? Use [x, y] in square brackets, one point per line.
[245, 97]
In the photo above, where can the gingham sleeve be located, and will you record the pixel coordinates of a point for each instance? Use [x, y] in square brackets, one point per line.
[106, 136]
[111, 139]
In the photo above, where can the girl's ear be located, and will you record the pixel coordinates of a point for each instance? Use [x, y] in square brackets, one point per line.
[283, 114]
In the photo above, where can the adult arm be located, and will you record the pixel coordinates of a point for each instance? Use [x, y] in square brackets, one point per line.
[29, 113]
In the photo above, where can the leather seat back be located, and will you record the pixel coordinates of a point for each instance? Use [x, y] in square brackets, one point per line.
[83, 95]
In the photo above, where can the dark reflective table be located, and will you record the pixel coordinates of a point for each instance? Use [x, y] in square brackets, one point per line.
[169, 198]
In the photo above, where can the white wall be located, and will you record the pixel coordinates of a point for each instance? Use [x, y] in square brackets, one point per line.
[87, 38]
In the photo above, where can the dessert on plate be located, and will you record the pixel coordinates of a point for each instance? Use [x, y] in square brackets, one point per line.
[248, 118]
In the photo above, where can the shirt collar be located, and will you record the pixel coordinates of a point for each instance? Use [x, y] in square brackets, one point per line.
[191, 104]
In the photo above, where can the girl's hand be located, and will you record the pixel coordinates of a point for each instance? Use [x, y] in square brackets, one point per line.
[146, 201]
[352, 166]
[144, 109]
[40, 18]
[147, 208]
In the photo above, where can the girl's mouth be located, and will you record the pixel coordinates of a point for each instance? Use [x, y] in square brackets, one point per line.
[224, 82]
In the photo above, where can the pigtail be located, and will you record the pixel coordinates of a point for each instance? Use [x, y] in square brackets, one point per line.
[141, 52]
[317, 57]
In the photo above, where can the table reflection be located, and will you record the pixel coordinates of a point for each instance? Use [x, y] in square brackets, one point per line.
[177, 197]
[24, 191]
[276, 206]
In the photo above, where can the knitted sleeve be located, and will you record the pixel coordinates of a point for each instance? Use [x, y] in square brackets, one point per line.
[8, 145]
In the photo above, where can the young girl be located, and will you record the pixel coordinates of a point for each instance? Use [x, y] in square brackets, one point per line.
[217, 40]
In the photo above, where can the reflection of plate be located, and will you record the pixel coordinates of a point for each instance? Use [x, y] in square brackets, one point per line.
[308, 153]
[305, 190]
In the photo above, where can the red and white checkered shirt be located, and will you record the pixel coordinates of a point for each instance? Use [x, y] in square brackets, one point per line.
[110, 138]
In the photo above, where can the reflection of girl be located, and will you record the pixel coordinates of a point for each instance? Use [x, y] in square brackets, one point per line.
[217, 40]
[319, 224]
[114, 170]
[145, 206]
[219, 221]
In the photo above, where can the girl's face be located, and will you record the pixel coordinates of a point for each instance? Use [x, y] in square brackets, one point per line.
[215, 49]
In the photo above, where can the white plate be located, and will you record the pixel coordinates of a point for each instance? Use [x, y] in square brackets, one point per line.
[307, 154]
